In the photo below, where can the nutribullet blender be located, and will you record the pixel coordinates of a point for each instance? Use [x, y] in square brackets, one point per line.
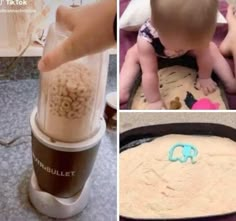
[67, 127]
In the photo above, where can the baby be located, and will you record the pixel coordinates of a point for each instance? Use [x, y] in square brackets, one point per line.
[176, 28]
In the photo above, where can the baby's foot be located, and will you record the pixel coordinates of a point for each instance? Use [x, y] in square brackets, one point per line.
[208, 86]
[226, 45]
[158, 105]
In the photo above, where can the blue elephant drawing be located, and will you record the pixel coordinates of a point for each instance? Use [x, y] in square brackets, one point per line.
[188, 152]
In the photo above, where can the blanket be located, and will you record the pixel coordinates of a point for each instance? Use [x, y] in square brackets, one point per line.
[128, 39]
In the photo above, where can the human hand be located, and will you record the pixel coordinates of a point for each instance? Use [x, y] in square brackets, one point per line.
[91, 28]
[208, 86]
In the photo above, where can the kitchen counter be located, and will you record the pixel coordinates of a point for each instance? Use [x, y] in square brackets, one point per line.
[17, 100]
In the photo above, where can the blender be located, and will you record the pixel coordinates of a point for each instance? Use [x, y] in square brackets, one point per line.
[67, 127]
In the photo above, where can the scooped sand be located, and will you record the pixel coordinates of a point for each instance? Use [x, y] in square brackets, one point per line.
[153, 187]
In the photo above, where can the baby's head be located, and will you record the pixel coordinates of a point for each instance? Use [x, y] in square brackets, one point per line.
[184, 24]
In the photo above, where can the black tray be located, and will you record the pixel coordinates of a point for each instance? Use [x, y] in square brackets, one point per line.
[132, 138]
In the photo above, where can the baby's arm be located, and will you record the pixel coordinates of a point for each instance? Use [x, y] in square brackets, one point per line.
[150, 81]
[205, 67]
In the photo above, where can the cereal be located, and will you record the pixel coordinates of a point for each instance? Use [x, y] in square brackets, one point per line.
[75, 105]
[65, 105]
[55, 90]
[67, 99]
[62, 112]
[71, 91]
[56, 100]
[73, 96]
[73, 115]
[72, 86]
[63, 91]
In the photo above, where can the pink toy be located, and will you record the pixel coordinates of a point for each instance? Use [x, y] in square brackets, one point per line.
[205, 104]
[201, 104]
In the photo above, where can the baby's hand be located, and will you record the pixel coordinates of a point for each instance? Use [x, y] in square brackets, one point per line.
[208, 86]
[158, 105]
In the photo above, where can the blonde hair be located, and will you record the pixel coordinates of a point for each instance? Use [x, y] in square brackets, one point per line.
[190, 19]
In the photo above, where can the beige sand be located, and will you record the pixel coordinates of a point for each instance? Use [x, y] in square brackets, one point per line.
[153, 187]
[175, 81]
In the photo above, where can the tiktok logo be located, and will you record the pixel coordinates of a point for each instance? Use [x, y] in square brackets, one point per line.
[14, 2]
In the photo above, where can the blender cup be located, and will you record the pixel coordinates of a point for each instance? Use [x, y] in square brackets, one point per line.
[71, 98]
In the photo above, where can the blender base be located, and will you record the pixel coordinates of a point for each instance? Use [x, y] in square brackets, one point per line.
[56, 207]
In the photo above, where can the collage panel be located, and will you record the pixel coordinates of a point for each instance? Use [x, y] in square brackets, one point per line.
[177, 166]
[177, 121]
[117, 110]
[177, 59]
[58, 111]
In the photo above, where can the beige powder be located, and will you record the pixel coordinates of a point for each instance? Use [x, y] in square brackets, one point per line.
[153, 187]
